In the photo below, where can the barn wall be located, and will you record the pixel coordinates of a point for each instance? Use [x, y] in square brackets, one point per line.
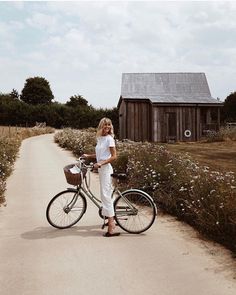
[185, 119]
[141, 120]
[135, 120]
[188, 123]
[138, 121]
[122, 119]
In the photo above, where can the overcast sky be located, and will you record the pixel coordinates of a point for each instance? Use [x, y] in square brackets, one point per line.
[84, 47]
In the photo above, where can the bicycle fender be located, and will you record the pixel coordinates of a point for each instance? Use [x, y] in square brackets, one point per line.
[71, 189]
[140, 191]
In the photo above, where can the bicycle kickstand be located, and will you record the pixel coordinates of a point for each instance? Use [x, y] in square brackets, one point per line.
[104, 222]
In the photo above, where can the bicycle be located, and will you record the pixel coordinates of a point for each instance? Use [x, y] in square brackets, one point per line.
[135, 210]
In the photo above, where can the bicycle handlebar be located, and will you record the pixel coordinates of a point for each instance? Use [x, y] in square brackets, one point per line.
[82, 161]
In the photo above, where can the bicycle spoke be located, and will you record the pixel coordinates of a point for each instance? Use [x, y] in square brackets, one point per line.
[65, 209]
[135, 212]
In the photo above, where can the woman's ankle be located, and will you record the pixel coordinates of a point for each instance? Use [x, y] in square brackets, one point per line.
[111, 224]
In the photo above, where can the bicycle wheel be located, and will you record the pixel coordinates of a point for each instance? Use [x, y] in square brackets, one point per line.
[66, 209]
[135, 211]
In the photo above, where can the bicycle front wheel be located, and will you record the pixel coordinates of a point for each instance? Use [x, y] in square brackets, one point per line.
[66, 209]
[135, 211]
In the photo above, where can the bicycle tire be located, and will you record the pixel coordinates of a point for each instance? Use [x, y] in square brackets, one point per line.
[66, 209]
[135, 211]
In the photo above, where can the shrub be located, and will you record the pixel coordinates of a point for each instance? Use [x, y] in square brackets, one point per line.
[225, 133]
[8, 151]
[79, 142]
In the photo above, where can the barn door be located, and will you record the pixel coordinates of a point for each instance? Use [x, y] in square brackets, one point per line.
[171, 127]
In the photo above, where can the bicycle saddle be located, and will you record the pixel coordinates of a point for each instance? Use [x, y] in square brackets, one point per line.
[121, 176]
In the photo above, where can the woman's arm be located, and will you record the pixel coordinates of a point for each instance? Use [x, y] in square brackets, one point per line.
[109, 160]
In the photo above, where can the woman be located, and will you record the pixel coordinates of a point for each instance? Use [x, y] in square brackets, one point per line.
[105, 154]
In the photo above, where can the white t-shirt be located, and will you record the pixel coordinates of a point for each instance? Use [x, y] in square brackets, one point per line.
[103, 147]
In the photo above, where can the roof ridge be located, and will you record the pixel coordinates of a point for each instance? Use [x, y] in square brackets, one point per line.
[164, 73]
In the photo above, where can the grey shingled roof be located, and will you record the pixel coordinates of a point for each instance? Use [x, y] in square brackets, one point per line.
[167, 87]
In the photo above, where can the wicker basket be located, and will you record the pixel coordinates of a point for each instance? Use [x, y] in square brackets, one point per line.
[71, 178]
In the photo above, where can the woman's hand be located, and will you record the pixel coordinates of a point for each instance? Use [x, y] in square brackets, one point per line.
[97, 165]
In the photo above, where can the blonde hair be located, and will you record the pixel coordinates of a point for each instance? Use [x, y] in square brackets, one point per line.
[102, 122]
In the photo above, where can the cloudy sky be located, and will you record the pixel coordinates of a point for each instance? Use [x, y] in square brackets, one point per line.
[83, 47]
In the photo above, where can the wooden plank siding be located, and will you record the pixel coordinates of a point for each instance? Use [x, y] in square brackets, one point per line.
[134, 120]
[198, 124]
[122, 120]
[187, 118]
[141, 120]
[131, 123]
[155, 125]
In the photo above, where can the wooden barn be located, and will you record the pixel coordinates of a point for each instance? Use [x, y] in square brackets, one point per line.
[166, 107]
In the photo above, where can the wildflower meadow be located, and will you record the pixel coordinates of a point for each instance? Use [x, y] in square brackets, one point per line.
[194, 193]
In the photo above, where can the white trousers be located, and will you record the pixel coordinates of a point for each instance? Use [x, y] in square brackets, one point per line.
[106, 190]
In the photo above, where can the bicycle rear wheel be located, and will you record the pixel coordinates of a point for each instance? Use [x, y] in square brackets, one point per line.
[66, 209]
[135, 211]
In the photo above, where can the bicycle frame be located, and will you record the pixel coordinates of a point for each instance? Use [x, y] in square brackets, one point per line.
[85, 191]
[135, 210]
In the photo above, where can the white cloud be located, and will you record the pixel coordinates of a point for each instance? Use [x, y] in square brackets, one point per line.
[43, 21]
[83, 47]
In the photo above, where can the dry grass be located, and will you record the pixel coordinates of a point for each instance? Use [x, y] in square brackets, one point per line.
[217, 155]
[9, 131]
[23, 132]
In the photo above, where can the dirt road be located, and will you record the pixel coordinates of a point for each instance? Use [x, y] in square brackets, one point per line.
[37, 259]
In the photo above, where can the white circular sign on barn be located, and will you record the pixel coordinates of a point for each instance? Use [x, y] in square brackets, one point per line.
[187, 133]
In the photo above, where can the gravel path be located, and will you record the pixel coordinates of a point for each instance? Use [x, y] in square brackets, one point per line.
[37, 259]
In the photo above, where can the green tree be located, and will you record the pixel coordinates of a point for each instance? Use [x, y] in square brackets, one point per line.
[76, 101]
[229, 109]
[37, 91]
[5, 97]
[14, 94]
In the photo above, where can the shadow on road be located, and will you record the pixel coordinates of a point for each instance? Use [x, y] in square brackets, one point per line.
[51, 233]
[81, 231]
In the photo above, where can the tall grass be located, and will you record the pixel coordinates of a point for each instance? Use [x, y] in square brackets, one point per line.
[8, 152]
[204, 198]
[225, 133]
